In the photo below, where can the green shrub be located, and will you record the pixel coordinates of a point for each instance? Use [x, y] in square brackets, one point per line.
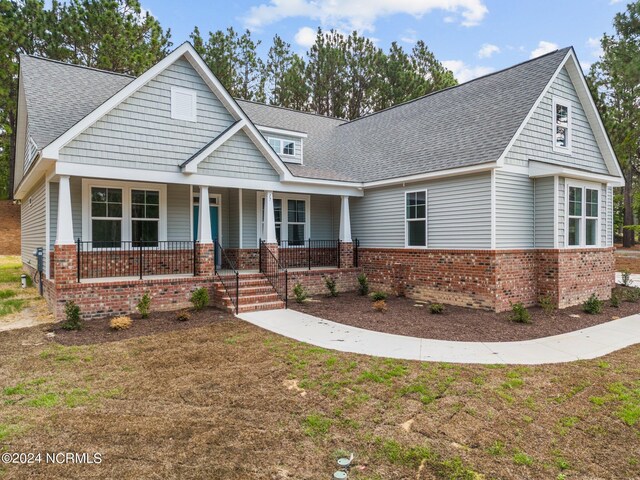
[593, 305]
[377, 296]
[144, 305]
[72, 313]
[363, 284]
[626, 278]
[615, 300]
[300, 293]
[436, 308]
[330, 283]
[200, 298]
[632, 294]
[519, 314]
[546, 303]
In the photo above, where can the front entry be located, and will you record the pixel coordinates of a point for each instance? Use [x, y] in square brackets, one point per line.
[213, 214]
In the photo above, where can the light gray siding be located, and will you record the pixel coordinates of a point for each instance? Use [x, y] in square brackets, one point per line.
[33, 220]
[249, 219]
[514, 210]
[535, 140]
[561, 211]
[140, 131]
[544, 195]
[609, 218]
[234, 219]
[458, 214]
[179, 212]
[323, 217]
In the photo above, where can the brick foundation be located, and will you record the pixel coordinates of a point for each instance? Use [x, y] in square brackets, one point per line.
[244, 258]
[205, 259]
[313, 281]
[346, 255]
[491, 279]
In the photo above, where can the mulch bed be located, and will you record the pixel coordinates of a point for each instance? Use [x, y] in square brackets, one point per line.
[455, 323]
[99, 331]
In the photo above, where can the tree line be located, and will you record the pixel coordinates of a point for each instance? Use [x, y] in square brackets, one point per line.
[344, 76]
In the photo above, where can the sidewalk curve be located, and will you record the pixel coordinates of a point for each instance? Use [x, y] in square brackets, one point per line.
[582, 344]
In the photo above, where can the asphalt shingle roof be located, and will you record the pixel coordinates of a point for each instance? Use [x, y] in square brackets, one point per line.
[461, 126]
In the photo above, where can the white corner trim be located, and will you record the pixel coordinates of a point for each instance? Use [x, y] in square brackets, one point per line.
[281, 131]
[556, 211]
[493, 210]
[192, 166]
[240, 218]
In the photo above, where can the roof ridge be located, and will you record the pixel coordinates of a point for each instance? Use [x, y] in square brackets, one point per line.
[344, 120]
[530, 60]
[66, 64]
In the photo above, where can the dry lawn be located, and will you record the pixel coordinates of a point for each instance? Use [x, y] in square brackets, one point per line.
[230, 401]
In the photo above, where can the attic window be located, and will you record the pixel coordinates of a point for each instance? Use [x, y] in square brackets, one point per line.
[283, 147]
[184, 104]
[561, 125]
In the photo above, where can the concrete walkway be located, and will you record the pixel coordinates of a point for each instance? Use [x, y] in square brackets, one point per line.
[588, 343]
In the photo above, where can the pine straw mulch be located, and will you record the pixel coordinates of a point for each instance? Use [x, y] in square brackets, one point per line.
[229, 400]
[408, 317]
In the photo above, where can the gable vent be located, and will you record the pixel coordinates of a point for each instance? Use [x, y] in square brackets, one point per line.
[184, 104]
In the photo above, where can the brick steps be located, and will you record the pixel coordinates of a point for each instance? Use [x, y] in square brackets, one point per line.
[254, 290]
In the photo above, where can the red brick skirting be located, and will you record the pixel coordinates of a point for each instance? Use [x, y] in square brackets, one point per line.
[313, 281]
[491, 279]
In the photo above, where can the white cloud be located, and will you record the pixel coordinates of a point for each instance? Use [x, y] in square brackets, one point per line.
[360, 15]
[487, 50]
[410, 36]
[464, 72]
[543, 47]
[595, 47]
[305, 37]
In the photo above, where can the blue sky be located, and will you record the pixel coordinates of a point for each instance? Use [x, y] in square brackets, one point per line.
[471, 37]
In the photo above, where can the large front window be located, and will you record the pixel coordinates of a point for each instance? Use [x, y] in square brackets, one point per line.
[416, 218]
[296, 212]
[583, 216]
[145, 217]
[290, 218]
[106, 217]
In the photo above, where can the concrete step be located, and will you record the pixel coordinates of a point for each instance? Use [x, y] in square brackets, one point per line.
[252, 307]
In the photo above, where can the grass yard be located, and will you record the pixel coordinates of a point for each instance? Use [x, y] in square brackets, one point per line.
[232, 401]
[17, 304]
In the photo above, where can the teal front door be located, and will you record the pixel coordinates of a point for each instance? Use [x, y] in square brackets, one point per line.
[213, 213]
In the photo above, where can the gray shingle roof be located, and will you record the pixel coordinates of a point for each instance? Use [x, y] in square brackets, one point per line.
[461, 126]
[59, 95]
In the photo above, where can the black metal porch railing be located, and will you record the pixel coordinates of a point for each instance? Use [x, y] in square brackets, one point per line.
[226, 272]
[356, 252]
[309, 253]
[273, 270]
[134, 258]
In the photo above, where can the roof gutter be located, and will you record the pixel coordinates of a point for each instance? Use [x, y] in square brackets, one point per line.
[484, 167]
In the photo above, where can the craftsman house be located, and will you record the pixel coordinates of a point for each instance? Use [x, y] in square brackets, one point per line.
[495, 191]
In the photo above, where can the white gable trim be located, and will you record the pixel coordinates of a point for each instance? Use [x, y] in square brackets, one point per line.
[52, 151]
[542, 169]
[582, 90]
[281, 131]
[192, 166]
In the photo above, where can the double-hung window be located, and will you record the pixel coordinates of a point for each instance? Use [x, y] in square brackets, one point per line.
[291, 219]
[561, 126]
[282, 147]
[296, 212]
[416, 218]
[106, 217]
[583, 209]
[145, 217]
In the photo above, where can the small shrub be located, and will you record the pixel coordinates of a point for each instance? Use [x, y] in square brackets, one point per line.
[183, 316]
[121, 323]
[200, 298]
[632, 294]
[300, 293]
[547, 305]
[363, 284]
[144, 305]
[436, 308]
[626, 278]
[593, 305]
[380, 306]
[520, 314]
[72, 313]
[615, 300]
[377, 296]
[330, 283]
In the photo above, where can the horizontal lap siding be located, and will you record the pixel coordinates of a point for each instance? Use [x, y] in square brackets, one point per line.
[544, 212]
[33, 220]
[234, 219]
[179, 212]
[561, 211]
[458, 211]
[609, 217]
[535, 140]
[140, 131]
[514, 210]
[322, 218]
[249, 219]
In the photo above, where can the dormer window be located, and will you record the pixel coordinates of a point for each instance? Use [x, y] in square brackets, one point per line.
[561, 125]
[283, 147]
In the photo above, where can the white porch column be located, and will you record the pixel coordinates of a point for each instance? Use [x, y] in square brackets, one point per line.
[269, 233]
[204, 217]
[64, 232]
[345, 220]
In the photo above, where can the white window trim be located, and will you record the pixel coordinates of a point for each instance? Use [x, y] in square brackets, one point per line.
[406, 220]
[565, 103]
[194, 104]
[127, 187]
[583, 218]
[282, 142]
[284, 225]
